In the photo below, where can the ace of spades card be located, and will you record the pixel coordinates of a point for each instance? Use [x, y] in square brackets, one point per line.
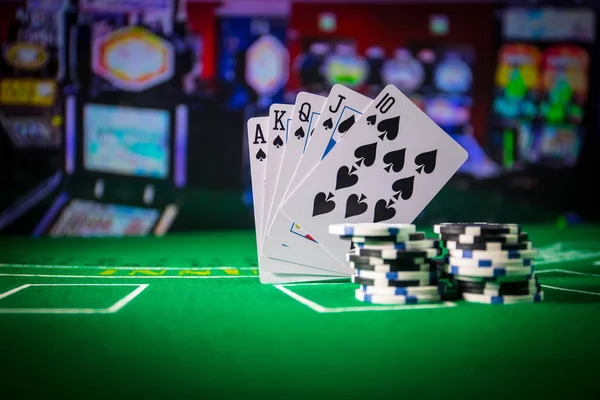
[387, 168]
[258, 130]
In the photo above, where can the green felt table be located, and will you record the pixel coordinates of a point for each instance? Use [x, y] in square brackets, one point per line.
[185, 316]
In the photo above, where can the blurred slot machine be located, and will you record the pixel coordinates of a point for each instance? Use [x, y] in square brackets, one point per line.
[125, 143]
[542, 86]
[30, 106]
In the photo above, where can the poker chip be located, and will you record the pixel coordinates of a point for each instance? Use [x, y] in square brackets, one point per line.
[521, 287]
[489, 272]
[401, 267]
[403, 291]
[371, 229]
[401, 237]
[507, 239]
[397, 275]
[493, 255]
[394, 283]
[392, 254]
[489, 299]
[409, 245]
[490, 263]
[496, 280]
[352, 257]
[489, 246]
[396, 299]
[476, 228]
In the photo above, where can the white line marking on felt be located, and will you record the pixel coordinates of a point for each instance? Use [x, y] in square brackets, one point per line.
[127, 299]
[571, 290]
[123, 267]
[567, 271]
[311, 304]
[327, 310]
[112, 309]
[129, 277]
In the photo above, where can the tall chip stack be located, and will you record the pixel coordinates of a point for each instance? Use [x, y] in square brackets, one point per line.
[490, 263]
[392, 263]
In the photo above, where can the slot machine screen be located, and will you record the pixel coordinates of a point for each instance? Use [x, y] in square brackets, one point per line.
[127, 141]
[83, 218]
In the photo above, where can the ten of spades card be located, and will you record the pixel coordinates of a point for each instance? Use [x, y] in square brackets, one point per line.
[387, 168]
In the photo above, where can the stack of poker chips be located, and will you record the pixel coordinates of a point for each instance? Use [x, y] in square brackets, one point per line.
[490, 263]
[392, 263]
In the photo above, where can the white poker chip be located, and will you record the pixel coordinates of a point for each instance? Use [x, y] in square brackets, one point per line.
[488, 263]
[371, 229]
[487, 299]
[472, 239]
[397, 275]
[397, 299]
[497, 280]
[394, 267]
[393, 254]
[494, 255]
[407, 245]
[403, 291]
[491, 272]
[489, 246]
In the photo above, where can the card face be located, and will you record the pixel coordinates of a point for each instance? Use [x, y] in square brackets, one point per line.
[387, 168]
[342, 108]
[258, 147]
[280, 117]
[304, 119]
[284, 239]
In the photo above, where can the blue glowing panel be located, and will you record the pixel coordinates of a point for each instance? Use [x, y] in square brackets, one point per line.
[126, 141]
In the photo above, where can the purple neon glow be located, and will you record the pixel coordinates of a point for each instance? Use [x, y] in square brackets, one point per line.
[56, 207]
[70, 135]
[32, 198]
[181, 132]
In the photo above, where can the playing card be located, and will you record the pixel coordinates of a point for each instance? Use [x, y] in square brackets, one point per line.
[258, 145]
[284, 239]
[343, 107]
[387, 168]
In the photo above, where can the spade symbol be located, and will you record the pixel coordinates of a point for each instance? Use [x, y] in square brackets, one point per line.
[371, 119]
[366, 154]
[383, 211]
[299, 133]
[323, 204]
[345, 178]
[260, 155]
[426, 161]
[394, 160]
[405, 186]
[389, 127]
[347, 124]
[328, 124]
[354, 205]
[278, 142]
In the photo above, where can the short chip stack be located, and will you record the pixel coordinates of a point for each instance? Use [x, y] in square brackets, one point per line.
[393, 263]
[490, 263]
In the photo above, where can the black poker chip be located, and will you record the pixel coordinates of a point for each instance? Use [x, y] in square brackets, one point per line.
[393, 283]
[476, 228]
[507, 238]
[429, 265]
[399, 262]
[516, 288]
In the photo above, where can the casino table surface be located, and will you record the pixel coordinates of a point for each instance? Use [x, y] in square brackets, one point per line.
[185, 316]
